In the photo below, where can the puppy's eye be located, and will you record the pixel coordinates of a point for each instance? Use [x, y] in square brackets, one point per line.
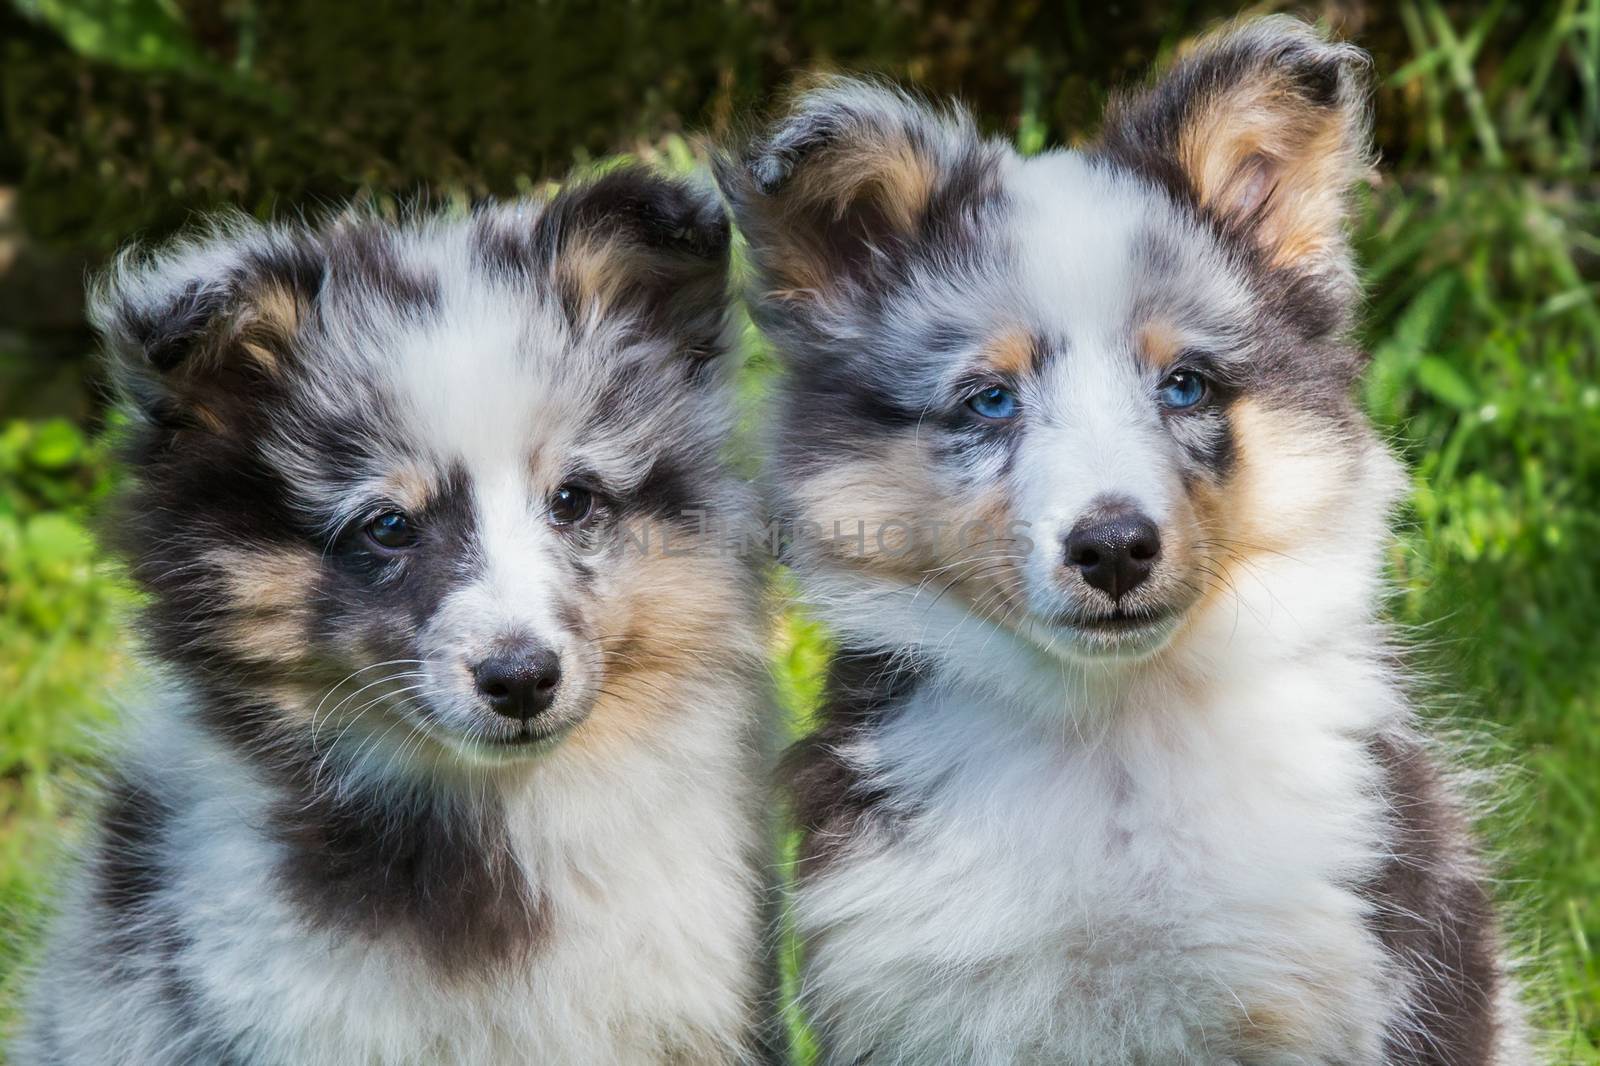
[1182, 389]
[995, 403]
[570, 504]
[392, 530]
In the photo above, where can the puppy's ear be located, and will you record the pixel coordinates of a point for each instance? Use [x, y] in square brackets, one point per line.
[634, 247]
[1265, 127]
[193, 331]
[844, 189]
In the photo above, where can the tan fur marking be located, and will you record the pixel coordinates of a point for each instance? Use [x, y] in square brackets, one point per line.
[1269, 1028]
[898, 179]
[661, 629]
[263, 356]
[1261, 139]
[1224, 137]
[273, 319]
[410, 487]
[798, 263]
[1291, 481]
[987, 564]
[1295, 476]
[896, 521]
[1011, 352]
[891, 177]
[269, 600]
[1158, 344]
[209, 419]
[592, 268]
[277, 309]
[871, 501]
[1310, 192]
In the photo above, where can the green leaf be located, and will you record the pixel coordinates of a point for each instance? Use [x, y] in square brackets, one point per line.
[1444, 383]
[56, 445]
[54, 539]
[137, 34]
[14, 444]
[1418, 328]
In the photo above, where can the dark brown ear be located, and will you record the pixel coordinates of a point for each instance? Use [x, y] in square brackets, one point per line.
[1264, 126]
[194, 329]
[635, 246]
[850, 179]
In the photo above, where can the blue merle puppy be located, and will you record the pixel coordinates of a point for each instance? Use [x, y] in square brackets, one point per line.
[1117, 767]
[455, 751]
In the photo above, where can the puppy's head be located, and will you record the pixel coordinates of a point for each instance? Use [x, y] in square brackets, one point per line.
[383, 474]
[1086, 395]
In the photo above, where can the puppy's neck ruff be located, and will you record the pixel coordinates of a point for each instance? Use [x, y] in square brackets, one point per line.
[1128, 775]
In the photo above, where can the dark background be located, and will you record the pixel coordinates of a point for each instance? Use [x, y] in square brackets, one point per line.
[124, 118]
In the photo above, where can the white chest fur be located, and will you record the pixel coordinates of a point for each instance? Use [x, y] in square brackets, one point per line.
[649, 953]
[1171, 884]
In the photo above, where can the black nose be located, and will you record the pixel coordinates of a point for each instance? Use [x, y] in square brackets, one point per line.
[521, 682]
[1114, 551]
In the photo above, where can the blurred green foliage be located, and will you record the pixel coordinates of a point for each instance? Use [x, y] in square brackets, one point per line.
[1481, 248]
[59, 614]
[123, 116]
[1481, 243]
[135, 34]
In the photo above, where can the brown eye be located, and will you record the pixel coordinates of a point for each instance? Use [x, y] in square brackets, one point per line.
[392, 530]
[570, 504]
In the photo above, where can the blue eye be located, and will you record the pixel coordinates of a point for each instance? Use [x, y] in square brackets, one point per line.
[994, 402]
[391, 530]
[1182, 389]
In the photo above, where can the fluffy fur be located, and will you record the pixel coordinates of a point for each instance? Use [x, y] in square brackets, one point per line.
[321, 846]
[1190, 824]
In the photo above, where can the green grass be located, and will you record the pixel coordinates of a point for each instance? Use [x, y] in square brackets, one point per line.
[1485, 330]
[62, 653]
[1480, 247]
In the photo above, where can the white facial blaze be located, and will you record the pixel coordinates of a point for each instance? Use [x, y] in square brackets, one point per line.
[521, 578]
[510, 596]
[1093, 433]
[485, 400]
[1096, 439]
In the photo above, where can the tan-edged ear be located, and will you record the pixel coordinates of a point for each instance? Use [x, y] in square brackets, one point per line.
[851, 175]
[637, 247]
[1264, 125]
[195, 327]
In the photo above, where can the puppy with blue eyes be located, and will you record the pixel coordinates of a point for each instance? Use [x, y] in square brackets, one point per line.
[454, 760]
[1115, 764]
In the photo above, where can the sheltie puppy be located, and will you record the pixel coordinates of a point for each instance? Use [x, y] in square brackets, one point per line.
[457, 756]
[1116, 765]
